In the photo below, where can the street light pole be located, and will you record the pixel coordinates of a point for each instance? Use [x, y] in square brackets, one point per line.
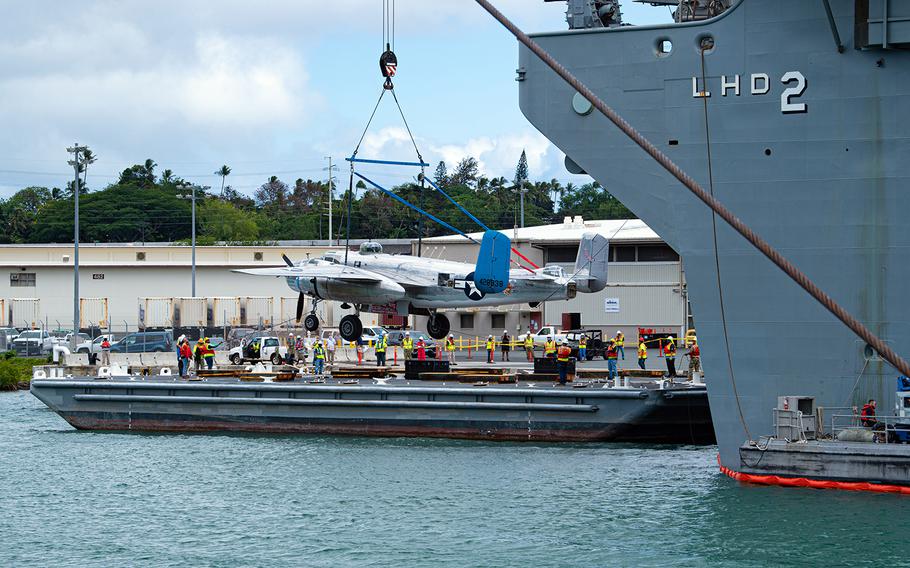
[194, 241]
[331, 196]
[76, 150]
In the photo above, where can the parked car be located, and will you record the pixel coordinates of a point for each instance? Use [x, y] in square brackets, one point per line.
[34, 342]
[67, 338]
[7, 335]
[371, 334]
[396, 337]
[94, 346]
[255, 348]
[145, 342]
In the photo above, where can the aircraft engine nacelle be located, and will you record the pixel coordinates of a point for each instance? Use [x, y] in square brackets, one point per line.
[382, 292]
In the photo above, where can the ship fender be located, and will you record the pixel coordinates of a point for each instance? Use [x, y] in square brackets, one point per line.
[782, 481]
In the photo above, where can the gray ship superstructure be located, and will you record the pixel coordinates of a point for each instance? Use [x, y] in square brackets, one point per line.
[798, 124]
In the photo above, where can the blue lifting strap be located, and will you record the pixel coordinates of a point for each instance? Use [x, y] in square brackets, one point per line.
[492, 272]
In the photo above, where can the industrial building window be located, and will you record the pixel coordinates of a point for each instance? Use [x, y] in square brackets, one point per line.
[561, 254]
[656, 253]
[22, 279]
[466, 321]
[624, 253]
[498, 321]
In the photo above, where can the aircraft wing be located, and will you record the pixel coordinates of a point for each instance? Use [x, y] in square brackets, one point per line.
[337, 271]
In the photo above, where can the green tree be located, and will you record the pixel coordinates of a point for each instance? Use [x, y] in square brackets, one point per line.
[441, 176]
[591, 201]
[465, 173]
[224, 171]
[222, 221]
[521, 170]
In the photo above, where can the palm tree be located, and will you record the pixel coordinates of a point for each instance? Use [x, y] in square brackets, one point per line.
[148, 170]
[223, 171]
[88, 157]
[167, 176]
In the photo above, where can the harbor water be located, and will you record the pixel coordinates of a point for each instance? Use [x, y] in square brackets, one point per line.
[73, 498]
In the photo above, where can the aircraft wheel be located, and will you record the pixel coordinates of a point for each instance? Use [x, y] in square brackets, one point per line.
[438, 326]
[350, 328]
[311, 322]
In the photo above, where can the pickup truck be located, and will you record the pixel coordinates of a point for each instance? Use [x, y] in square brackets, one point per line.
[540, 338]
[33, 342]
[256, 348]
[94, 346]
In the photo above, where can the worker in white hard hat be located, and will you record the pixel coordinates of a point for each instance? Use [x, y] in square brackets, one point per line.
[549, 348]
[491, 348]
[407, 345]
[505, 344]
[620, 339]
[450, 348]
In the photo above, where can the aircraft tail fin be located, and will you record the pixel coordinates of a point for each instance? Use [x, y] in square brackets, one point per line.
[491, 275]
[591, 263]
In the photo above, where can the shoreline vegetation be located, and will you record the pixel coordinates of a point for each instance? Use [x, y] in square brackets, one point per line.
[16, 372]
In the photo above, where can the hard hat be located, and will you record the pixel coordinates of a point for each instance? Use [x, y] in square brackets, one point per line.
[505, 331]
[549, 337]
[618, 332]
[491, 335]
[407, 333]
[451, 335]
[290, 335]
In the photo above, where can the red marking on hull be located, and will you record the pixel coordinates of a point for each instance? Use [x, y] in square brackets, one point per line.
[814, 483]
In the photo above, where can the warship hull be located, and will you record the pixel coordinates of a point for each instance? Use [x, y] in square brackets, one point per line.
[493, 412]
[806, 143]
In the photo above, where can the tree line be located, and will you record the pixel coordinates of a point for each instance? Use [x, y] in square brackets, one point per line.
[144, 205]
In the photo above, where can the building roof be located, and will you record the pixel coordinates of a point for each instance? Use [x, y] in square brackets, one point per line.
[570, 231]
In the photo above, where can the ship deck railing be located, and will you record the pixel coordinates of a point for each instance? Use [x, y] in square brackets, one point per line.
[886, 429]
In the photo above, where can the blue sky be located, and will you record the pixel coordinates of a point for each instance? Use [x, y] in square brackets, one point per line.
[269, 87]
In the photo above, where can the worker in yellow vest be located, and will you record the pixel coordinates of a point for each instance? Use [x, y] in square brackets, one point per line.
[562, 361]
[642, 353]
[583, 348]
[670, 357]
[620, 341]
[491, 348]
[450, 348]
[319, 357]
[381, 345]
[407, 344]
[529, 345]
[549, 348]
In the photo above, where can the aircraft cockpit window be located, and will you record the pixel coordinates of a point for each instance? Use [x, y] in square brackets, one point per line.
[370, 248]
[554, 271]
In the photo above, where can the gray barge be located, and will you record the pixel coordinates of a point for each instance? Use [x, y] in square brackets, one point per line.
[517, 412]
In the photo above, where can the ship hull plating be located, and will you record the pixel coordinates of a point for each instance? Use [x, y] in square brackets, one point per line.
[826, 184]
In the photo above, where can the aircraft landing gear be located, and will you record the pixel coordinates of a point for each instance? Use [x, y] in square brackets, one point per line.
[438, 326]
[311, 322]
[350, 327]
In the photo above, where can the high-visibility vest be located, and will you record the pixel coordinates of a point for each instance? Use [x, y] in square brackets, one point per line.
[612, 351]
[642, 351]
[564, 352]
[620, 339]
[670, 349]
[407, 343]
[549, 347]
[381, 344]
[583, 343]
[450, 344]
[529, 342]
[490, 345]
[319, 352]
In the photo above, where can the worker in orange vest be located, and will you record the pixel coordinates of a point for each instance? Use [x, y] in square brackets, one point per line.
[562, 361]
[670, 355]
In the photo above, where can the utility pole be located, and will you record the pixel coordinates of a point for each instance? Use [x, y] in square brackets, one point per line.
[184, 187]
[331, 197]
[522, 190]
[76, 150]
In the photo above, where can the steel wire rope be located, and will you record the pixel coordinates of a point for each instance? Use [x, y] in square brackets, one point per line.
[720, 286]
[758, 242]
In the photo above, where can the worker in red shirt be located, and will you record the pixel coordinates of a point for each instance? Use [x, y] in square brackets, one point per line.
[868, 414]
[694, 360]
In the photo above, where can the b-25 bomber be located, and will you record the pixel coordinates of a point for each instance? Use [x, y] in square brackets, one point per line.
[373, 281]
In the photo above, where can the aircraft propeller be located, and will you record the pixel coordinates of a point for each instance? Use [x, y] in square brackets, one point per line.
[301, 297]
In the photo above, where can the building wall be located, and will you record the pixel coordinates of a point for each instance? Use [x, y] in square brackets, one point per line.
[166, 272]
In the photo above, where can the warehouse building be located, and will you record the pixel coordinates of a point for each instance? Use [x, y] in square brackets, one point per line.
[645, 286]
[128, 286]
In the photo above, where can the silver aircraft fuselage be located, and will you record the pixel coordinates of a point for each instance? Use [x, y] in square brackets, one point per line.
[430, 283]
